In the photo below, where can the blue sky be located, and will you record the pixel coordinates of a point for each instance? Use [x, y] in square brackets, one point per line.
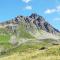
[49, 9]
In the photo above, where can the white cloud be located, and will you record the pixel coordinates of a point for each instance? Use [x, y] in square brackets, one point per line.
[28, 7]
[57, 19]
[26, 1]
[53, 10]
[49, 11]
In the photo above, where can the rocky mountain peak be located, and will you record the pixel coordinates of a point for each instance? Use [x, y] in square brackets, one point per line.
[34, 15]
[37, 20]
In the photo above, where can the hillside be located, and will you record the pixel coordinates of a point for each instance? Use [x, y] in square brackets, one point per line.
[28, 34]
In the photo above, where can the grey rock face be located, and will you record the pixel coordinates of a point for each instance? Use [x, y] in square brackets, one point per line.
[39, 21]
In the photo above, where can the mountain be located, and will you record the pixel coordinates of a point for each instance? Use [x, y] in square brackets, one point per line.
[35, 19]
[28, 34]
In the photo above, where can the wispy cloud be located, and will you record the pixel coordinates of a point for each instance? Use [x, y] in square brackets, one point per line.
[26, 1]
[28, 7]
[53, 10]
[49, 11]
[57, 18]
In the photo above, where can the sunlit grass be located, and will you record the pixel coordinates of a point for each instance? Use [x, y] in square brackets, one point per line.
[4, 38]
[35, 55]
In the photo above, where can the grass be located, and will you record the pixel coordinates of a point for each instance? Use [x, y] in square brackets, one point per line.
[4, 38]
[31, 51]
[24, 47]
[6, 45]
[52, 53]
[4, 35]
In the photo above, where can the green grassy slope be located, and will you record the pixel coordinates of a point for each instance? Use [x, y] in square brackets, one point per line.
[4, 36]
[33, 52]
